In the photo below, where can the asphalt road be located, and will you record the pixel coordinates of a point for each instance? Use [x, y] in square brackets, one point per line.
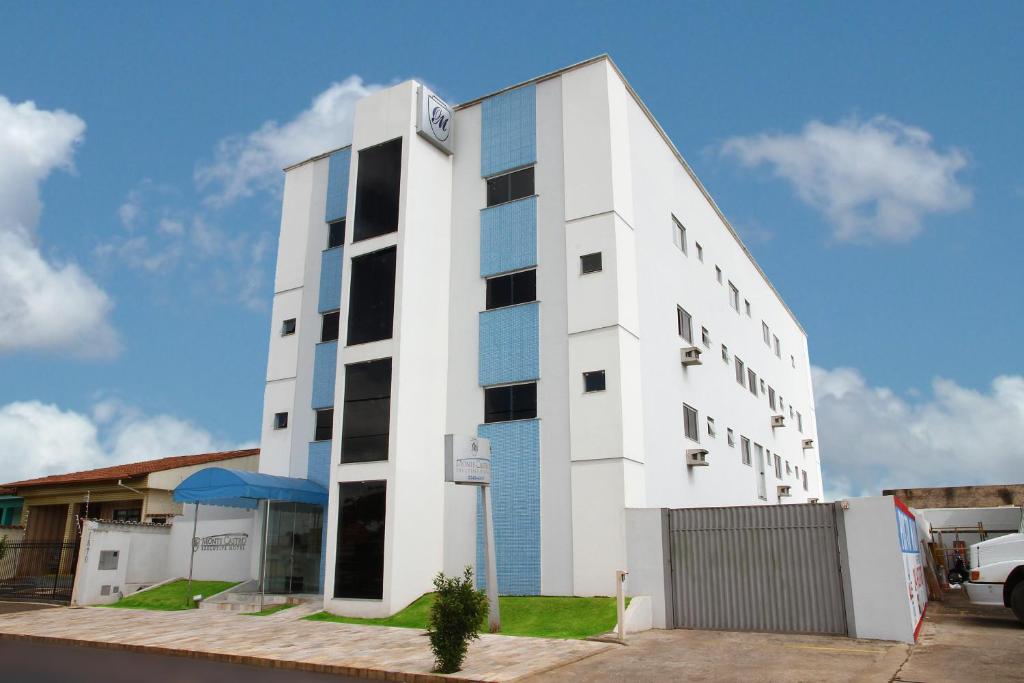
[44, 663]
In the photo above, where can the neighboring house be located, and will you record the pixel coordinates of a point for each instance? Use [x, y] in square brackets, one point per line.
[134, 492]
[985, 496]
[10, 508]
[542, 268]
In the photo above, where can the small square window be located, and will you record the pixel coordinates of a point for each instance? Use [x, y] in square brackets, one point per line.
[711, 428]
[288, 327]
[730, 437]
[718, 274]
[329, 326]
[336, 234]
[705, 337]
[280, 420]
[593, 381]
[590, 263]
[700, 252]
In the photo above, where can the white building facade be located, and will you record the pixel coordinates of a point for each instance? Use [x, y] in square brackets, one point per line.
[548, 285]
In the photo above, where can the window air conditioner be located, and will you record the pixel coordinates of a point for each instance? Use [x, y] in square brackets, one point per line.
[697, 457]
[812, 500]
[783, 490]
[689, 355]
[778, 421]
[807, 443]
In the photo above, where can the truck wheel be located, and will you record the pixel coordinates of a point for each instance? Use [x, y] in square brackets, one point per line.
[1017, 601]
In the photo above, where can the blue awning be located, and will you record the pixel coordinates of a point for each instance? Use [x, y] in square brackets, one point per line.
[234, 488]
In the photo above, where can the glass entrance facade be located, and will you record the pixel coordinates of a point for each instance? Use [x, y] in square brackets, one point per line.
[294, 547]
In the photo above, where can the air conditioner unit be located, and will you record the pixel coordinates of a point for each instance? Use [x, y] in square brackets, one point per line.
[812, 500]
[784, 492]
[778, 421]
[697, 457]
[807, 443]
[689, 355]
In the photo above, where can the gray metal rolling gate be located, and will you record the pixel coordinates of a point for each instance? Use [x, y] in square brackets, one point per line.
[761, 568]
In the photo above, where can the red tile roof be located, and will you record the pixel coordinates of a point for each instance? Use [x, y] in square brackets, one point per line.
[6, 492]
[130, 470]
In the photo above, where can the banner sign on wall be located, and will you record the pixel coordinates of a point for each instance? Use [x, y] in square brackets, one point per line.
[913, 567]
[434, 120]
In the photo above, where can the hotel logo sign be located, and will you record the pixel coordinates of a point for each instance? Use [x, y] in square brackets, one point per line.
[435, 120]
[235, 541]
[467, 460]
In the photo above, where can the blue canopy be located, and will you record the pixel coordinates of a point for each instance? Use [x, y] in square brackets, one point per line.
[234, 488]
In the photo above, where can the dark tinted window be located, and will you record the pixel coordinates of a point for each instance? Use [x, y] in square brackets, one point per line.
[377, 186]
[371, 308]
[324, 425]
[359, 563]
[288, 327]
[505, 188]
[517, 288]
[329, 326]
[365, 423]
[590, 263]
[280, 420]
[336, 234]
[593, 381]
[516, 402]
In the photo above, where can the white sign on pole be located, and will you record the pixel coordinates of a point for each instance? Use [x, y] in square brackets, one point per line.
[434, 120]
[467, 460]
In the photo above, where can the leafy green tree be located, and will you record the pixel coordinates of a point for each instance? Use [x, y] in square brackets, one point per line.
[455, 619]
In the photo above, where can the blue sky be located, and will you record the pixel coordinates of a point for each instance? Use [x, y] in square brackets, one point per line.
[908, 284]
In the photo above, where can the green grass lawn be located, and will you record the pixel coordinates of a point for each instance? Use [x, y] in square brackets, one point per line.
[541, 616]
[268, 611]
[173, 596]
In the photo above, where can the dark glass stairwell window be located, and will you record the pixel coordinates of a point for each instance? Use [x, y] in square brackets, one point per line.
[336, 234]
[510, 186]
[371, 309]
[366, 422]
[507, 290]
[324, 425]
[513, 402]
[359, 561]
[378, 184]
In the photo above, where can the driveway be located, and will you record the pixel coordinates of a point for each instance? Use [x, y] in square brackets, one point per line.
[958, 642]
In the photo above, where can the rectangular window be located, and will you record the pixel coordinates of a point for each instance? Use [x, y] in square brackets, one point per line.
[730, 437]
[778, 349]
[762, 483]
[711, 428]
[593, 381]
[512, 402]
[127, 515]
[718, 274]
[799, 422]
[378, 183]
[746, 305]
[741, 374]
[789, 469]
[280, 420]
[336, 234]
[771, 397]
[324, 425]
[329, 326]
[515, 288]
[705, 337]
[678, 234]
[590, 263]
[510, 186]
[792, 361]
[763, 387]
[752, 381]
[288, 327]
[804, 475]
[766, 334]
[371, 310]
[745, 450]
[685, 324]
[734, 297]
[700, 252]
[365, 424]
[778, 466]
[725, 353]
[690, 423]
[359, 563]
[791, 411]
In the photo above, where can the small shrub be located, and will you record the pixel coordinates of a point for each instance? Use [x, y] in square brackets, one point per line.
[455, 619]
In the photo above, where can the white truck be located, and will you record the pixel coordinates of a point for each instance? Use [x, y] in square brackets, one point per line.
[997, 572]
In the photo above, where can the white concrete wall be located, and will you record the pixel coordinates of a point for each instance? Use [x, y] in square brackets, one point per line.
[647, 562]
[142, 561]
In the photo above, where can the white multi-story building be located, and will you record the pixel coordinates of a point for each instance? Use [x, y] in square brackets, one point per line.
[546, 282]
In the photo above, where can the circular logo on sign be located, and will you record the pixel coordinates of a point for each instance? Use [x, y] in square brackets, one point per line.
[440, 118]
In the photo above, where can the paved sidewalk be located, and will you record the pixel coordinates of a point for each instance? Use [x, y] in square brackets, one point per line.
[283, 640]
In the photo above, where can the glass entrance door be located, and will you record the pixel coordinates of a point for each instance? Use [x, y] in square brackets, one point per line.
[294, 546]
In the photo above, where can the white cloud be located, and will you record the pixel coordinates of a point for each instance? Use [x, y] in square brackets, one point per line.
[246, 164]
[43, 305]
[871, 438]
[874, 180]
[37, 438]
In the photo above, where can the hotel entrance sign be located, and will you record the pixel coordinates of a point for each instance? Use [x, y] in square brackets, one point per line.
[467, 460]
[434, 120]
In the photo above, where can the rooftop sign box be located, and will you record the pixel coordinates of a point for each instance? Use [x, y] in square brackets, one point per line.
[435, 120]
[467, 460]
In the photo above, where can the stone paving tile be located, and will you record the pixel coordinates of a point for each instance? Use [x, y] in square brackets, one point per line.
[280, 640]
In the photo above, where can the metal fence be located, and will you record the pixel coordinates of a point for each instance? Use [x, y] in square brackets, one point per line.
[41, 571]
[760, 568]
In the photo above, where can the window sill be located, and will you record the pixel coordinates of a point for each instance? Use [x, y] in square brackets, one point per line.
[511, 201]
